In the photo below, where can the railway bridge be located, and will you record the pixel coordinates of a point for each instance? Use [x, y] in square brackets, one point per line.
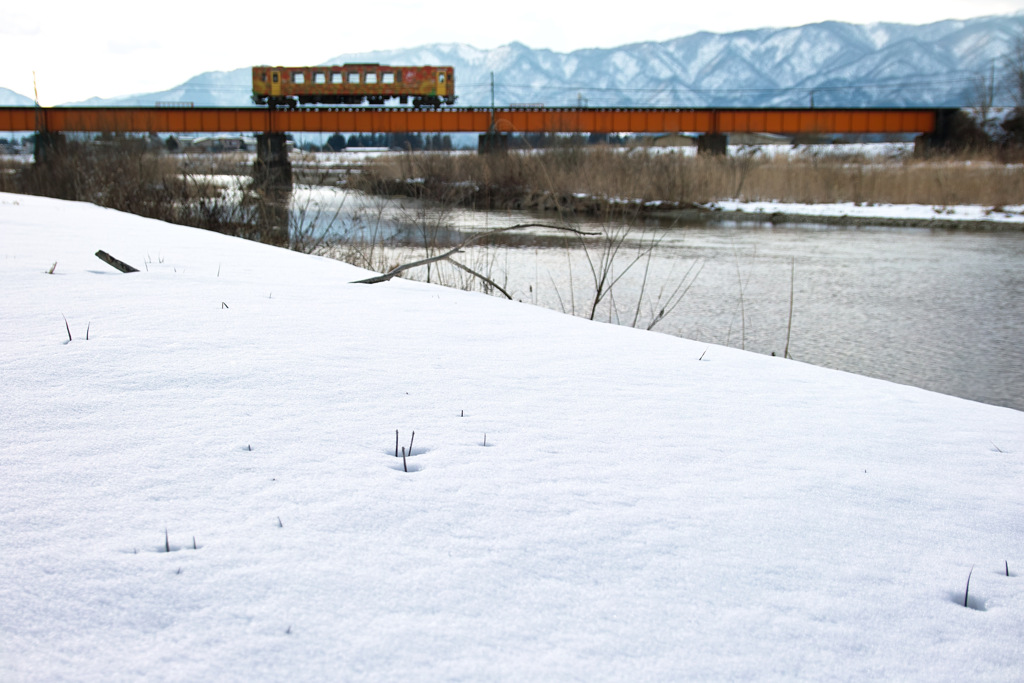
[712, 126]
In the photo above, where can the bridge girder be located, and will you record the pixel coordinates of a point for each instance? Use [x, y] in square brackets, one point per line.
[469, 120]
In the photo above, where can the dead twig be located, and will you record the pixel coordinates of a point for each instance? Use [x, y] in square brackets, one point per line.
[483, 277]
[789, 326]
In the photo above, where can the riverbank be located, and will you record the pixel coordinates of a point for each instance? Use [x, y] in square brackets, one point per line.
[888, 188]
[844, 214]
[201, 484]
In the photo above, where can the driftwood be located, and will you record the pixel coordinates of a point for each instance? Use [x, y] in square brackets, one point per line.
[447, 256]
[118, 264]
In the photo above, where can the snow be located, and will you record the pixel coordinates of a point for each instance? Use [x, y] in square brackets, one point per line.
[915, 212]
[9, 98]
[645, 507]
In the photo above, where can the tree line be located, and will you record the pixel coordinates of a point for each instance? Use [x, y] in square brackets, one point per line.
[405, 141]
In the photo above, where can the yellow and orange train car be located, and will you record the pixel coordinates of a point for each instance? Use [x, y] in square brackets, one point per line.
[290, 86]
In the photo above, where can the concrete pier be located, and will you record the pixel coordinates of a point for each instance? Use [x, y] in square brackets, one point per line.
[490, 143]
[272, 182]
[272, 167]
[48, 146]
[713, 143]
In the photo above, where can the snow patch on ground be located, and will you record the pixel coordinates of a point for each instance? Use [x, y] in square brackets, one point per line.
[915, 212]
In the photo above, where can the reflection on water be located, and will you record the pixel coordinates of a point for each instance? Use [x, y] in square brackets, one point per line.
[940, 310]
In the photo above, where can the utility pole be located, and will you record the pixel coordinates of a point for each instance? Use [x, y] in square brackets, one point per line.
[492, 103]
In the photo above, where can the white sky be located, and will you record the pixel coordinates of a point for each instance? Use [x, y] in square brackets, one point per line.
[116, 47]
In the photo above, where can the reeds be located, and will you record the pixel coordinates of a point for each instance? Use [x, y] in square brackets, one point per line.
[754, 174]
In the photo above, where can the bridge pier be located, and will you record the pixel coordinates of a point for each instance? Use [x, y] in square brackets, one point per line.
[272, 167]
[490, 143]
[713, 143]
[48, 146]
[272, 181]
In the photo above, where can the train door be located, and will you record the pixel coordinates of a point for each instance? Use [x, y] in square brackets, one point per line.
[442, 84]
[275, 83]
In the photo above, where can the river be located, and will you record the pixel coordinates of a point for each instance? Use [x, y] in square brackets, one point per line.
[937, 309]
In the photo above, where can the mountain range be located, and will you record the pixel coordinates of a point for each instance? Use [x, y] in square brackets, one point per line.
[825, 64]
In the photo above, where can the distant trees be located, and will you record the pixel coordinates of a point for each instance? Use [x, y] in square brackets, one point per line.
[406, 141]
[336, 142]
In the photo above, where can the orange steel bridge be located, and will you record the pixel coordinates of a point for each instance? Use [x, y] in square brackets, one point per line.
[469, 120]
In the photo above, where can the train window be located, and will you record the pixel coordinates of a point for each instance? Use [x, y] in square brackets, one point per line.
[298, 77]
[353, 76]
[371, 78]
[387, 77]
[336, 77]
[440, 78]
[319, 77]
[274, 76]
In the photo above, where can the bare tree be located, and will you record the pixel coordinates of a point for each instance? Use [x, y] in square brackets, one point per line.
[1013, 125]
[983, 95]
[1015, 73]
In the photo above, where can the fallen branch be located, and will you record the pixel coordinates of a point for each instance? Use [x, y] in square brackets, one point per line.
[466, 242]
[118, 264]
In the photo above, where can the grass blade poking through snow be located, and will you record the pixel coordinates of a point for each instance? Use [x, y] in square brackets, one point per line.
[66, 326]
[968, 588]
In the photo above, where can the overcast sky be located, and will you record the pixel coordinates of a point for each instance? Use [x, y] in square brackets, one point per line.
[116, 47]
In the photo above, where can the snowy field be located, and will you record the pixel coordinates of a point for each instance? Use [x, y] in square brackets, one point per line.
[583, 501]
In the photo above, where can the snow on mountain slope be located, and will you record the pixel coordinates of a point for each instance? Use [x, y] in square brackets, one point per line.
[210, 89]
[9, 98]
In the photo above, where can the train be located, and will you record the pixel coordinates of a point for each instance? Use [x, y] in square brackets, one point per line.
[291, 86]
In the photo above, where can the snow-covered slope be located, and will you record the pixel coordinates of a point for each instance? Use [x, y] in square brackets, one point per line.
[838, 64]
[584, 501]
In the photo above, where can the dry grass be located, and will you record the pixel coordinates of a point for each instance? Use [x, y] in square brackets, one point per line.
[129, 175]
[674, 176]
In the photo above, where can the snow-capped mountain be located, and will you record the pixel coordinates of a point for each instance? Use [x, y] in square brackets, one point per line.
[9, 98]
[208, 89]
[829, 64]
[837, 64]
